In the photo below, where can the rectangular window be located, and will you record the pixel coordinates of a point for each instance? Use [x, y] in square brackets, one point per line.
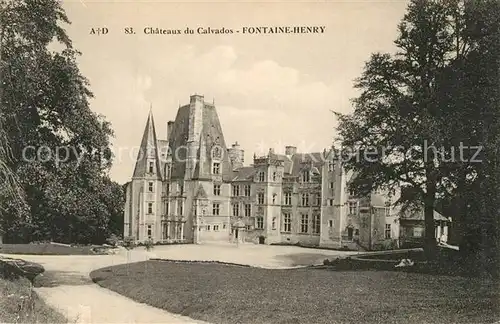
[330, 166]
[216, 190]
[151, 167]
[260, 222]
[305, 199]
[208, 227]
[216, 168]
[236, 210]
[387, 231]
[150, 231]
[181, 189]
[304, 223]
[275, 176]
[387, 212]
[330, 202]
[215, 209]
[316, 224]
[318, 200]
[260, 198]
[287, 222]
[273, 224]
[151, 186]
[305, 176]
[216, 228]
[236, 190]
[247, 190]
[261, 176]
[332, 185]
[330, 223]
[288, 198]
[353, 208]
[166, 207]
[180, 208]
[223, 226]
[248, 227]
[150, 208]
[248, 210]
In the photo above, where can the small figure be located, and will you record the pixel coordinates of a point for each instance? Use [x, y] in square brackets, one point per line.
[405, 263]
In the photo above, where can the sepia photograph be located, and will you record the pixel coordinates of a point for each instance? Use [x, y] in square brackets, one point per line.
[251, 162]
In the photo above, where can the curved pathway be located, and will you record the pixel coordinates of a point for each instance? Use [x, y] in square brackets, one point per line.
[66, 285]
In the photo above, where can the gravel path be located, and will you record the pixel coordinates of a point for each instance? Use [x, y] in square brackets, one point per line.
[67, 287]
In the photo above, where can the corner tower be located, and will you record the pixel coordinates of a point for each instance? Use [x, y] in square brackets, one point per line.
[143, 193]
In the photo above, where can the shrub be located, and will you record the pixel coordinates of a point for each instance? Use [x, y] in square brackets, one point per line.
[149, 244]
[113, 240]
[129, 242]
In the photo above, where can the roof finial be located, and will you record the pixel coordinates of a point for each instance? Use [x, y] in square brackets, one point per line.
[213, 101]
[150, 107]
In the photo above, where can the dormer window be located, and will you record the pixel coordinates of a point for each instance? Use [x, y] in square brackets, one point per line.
[151, 167]
[330, 167]
[305, 176]
[353, 208]
[168, 169]
[216, 152]
[261, 176]
[216, 168]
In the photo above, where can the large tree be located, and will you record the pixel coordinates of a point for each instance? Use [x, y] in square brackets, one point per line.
[46, 119]
[406, 129]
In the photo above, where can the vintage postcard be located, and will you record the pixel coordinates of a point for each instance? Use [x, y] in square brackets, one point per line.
[249, 161]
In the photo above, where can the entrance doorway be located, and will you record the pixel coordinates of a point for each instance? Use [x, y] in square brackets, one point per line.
[236, 233]
[262, 239]
[349, 233]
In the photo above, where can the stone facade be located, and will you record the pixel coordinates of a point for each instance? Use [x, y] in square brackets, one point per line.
[193, 188]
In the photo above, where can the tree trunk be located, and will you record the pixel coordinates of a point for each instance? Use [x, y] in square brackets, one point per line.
[430, 245]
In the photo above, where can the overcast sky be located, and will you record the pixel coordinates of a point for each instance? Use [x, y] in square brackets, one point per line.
[269, 90]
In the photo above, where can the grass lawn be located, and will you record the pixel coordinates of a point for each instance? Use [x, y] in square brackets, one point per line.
[45, 249]
[19, 304]
[230, 294]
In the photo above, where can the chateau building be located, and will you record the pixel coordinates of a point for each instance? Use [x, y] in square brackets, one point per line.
[193, 188]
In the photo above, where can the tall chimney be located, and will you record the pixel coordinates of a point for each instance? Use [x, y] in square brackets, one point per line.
[170, 126]
[290, 150]
[236, 156]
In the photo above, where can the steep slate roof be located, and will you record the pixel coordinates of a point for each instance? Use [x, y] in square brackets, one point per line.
[244, 173]
[178, 141]
[148, 146]
[211, 134]
[317, 159]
